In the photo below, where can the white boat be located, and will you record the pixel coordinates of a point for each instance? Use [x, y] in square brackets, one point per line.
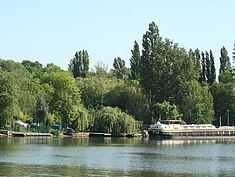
[176, 128]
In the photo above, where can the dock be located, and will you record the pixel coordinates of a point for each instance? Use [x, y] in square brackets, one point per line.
[26, 134]
[2, 135]
[95, 134]
[5, 133]
[79, 134]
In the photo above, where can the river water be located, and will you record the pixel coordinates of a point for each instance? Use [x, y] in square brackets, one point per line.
[116, 157]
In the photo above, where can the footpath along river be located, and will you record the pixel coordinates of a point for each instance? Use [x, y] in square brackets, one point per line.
[116, 157]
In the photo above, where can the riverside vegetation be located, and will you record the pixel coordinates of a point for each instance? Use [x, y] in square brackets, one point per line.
[163, 81]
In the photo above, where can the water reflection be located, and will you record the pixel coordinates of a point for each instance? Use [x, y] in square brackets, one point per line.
[115, 157]
[173, 142]
[29, 170]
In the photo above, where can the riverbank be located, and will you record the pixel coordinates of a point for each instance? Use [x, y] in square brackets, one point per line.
[73, 135]
[98, 134]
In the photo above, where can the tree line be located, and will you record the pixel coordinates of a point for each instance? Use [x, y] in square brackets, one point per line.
[164, 81]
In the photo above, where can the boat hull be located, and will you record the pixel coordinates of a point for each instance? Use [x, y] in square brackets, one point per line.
[170, 134]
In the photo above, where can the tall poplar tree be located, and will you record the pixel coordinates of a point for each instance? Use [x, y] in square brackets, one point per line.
[203, 73]
[79, 65]
[150, 62]
[74, 66]
[234, 57]
[163, 66]
[213, 71]
[135, 61]
[225, 71]
[85, 63]
[198, 67]
[224, 60]
[208, 67]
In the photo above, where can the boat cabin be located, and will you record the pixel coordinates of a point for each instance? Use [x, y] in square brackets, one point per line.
[178, 124]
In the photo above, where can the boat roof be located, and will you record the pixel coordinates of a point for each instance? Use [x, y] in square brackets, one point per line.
[171, 121]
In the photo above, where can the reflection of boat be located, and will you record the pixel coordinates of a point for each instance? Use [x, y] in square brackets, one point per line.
[172, 142]
[175, 128]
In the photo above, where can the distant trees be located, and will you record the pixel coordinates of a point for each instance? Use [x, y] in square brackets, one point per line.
[79, 65]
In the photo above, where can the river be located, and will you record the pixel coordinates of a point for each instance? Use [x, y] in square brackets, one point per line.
[116, 157]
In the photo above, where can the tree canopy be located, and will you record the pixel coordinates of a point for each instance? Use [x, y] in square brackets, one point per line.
[79, 65]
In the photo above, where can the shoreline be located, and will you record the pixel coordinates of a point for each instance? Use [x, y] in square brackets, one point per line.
[67, 135]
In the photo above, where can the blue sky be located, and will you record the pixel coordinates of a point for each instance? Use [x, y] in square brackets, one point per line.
[51, 31]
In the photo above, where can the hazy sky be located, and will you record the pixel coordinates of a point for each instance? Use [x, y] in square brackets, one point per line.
[51, 31]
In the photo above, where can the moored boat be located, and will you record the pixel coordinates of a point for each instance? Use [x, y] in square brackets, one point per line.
[176, 128]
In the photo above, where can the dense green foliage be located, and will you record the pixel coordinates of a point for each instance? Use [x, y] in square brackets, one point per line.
[164, 81]
[63, 95]
[224, 101]
[130, 98]
[196, 103]
[166, 111]
[94, 90]
[7, 98]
